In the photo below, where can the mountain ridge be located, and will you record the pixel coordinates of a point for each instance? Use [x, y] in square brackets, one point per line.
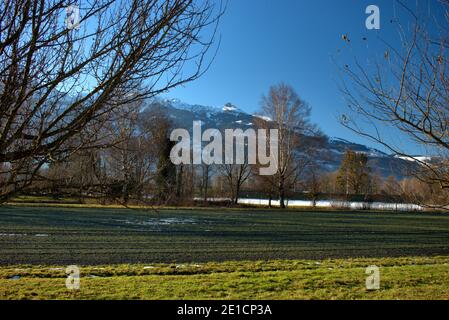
[329, 155]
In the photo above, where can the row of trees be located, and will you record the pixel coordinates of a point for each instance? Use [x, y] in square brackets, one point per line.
[134, 163]
[62, 89]
[71, 119]
[138, 169]
[357, 180]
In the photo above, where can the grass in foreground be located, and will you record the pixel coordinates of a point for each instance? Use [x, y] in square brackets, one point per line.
[401, 278]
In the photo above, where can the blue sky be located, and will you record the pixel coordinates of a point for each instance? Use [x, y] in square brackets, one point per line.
[264, 42]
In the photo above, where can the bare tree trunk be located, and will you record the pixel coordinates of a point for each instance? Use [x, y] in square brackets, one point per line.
[237, 192]
[205, 181]
[282, 192]
[179, 182]
[192, 179]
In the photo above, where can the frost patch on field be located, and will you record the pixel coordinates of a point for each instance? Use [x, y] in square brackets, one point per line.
[160, 222]
[179, 266]
[22, 235]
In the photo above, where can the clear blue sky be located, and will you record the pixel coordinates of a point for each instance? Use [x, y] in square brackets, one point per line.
[264, 42]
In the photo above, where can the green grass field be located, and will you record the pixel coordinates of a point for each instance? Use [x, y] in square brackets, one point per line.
[218, 253]
[401, 278]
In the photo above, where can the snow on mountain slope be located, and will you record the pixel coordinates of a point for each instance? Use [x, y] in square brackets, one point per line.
[330, 152]
[262, 117]
[416, 159]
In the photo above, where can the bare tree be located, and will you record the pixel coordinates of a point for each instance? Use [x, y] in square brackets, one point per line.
[77, 176]
[288, 113]
[313, 184]
[391, 186]
[205, 182]
[119, 172]
[58, 84]
[130, 157]
[236, 175]
[265, 185]
[407, 91]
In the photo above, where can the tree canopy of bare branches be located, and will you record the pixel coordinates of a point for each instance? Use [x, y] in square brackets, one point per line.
[236, 175]
[289, 114]
[58, 85]
[407, 90]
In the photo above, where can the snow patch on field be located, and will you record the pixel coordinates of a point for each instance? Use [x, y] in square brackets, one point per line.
[338, 204]
[334, 204]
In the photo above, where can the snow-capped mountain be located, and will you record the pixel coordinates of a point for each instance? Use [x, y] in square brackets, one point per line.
[329, 151]
[182, 115]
